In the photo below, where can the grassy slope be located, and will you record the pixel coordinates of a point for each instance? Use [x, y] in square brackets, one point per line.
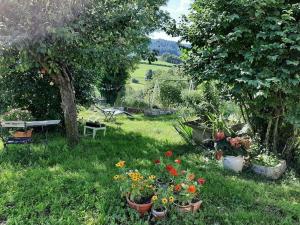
[58, 185]
[142, 69]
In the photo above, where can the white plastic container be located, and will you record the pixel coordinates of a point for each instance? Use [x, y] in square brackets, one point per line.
[234, 163]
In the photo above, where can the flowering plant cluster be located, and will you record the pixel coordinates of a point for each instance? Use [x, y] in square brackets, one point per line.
[17, 115]
[185, 187]
[163, 198]
[232, 145]
[139, 187]
[167, 167]
[170, 184]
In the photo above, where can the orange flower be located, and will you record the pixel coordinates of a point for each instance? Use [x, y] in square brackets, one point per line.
[191, 176]
[177, 187]
[191, 189]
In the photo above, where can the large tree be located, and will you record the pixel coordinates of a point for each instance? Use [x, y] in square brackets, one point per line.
[55, 36]
[252, 47]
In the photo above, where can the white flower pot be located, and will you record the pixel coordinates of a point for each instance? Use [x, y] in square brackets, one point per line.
[158, 214]
[234, 163]
[270, 172]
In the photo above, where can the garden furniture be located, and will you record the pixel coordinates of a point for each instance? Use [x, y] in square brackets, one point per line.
[111, 113]
[94, 128]
[17, 138]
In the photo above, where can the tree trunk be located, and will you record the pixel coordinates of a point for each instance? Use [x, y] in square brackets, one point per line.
[67, 93]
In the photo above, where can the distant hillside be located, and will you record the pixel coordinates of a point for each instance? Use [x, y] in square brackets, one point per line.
[164, 46]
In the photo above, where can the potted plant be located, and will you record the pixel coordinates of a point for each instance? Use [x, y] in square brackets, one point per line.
[187, 192]
[234, 149]
[167, 168]
[137, 187]
[269, 166]
[162, 200]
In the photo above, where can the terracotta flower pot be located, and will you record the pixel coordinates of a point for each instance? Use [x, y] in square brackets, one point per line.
[141, 208]
[192, 207]
[219, 155]
[159, 214]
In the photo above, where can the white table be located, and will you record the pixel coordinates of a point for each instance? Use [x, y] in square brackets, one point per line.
[94, 129]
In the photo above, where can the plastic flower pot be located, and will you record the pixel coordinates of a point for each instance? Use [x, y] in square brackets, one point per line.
[159, 214]
[141, 208]
[192, 207]
[219, 155]
[234, 163]
[270, 172]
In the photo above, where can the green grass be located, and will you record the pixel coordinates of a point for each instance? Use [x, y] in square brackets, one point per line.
[142, 69]
[59, 185]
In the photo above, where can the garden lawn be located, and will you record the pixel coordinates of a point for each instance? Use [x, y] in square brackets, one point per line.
[59, 185]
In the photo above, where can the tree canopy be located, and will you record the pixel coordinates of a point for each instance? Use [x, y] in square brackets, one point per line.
[252, 47]
[57, 37]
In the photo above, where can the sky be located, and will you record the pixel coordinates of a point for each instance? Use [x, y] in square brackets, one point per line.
[176, 8]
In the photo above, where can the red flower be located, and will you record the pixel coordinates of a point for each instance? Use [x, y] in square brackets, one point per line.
[178, 161]
[157, 161]
[220, 136]
[177, 187]
[169, 167]
[201, 181]
[173, 172]
[235, 142]
[192, 189]
[169, 153]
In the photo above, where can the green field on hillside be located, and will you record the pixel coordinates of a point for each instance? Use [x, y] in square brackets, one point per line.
[142, 69]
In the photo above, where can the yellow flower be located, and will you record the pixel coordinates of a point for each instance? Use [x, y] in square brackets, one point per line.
[135, 178]
[116, 177]
[152, 177]
[164, 201]
[154, 198]
[171, 199]
[120, 164]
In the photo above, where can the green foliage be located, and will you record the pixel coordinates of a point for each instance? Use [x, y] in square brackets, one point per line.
[204, 101]
[150, 56]
[171, 84]
[171, 58]
[149, 75]
[252, 47]
[135, 81]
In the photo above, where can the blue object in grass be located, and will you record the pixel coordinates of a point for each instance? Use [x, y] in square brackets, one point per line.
[18, 140]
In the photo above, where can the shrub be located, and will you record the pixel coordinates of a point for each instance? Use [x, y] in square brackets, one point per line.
[135, 81]
[18, 115]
